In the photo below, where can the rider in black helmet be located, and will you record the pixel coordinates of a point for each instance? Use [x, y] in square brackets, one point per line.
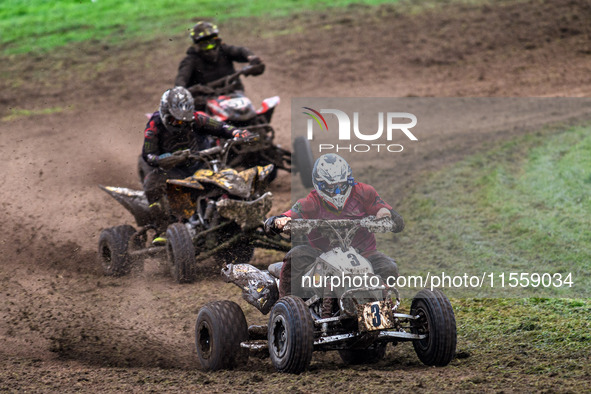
[209, 59]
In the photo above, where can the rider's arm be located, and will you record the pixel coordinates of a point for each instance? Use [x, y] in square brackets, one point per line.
[151, 149]
[204, 123]
[237, 53]
[184, 76]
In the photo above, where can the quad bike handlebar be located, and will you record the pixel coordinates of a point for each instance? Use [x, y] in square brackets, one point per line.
[372, 224]
[219, 153]
[226, 84]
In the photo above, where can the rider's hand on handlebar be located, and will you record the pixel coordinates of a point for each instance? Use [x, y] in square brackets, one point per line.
[275, 224]
[280, 222]
[168, 161]
[383, 213]
[253, 69]
[253, 60]
[244, 135]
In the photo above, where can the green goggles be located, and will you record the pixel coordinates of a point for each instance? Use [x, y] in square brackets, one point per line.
[207, 45]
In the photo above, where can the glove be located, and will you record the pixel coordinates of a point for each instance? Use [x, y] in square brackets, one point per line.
[253, 60]
[244, 135]
[168, 161]
[270, 226]
[254, 69]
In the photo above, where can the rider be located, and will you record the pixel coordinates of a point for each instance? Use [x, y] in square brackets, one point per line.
[172, 133]
[209, 59]
[335, 196]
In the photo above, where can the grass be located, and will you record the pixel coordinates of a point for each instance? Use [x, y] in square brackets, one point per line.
[534, 336]
[40, 25]
[522, 207]
[16, 113]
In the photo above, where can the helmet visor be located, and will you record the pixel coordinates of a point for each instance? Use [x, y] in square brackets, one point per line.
[207, 45]
[332, 189]
[178, 122]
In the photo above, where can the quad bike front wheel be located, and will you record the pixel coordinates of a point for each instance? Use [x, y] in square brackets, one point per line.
[371, 355]
[181, 253]
[219, 330]
[112, 250]
[436, 321]
[290, 335]
[304, 160]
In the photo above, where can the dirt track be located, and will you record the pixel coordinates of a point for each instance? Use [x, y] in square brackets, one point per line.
[65, 326]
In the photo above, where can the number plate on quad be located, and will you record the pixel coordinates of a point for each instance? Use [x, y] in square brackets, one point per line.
[375, 316]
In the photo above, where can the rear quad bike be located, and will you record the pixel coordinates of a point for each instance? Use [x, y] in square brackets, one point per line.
[234, 108]
[358, 322]
[218, 213]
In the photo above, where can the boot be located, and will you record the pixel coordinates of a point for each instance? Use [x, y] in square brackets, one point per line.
[160, 218]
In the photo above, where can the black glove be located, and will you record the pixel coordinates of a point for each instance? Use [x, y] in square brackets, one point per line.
[256, 69]
[168, 161]
[253, 60]
[398, 222]
[270, 225]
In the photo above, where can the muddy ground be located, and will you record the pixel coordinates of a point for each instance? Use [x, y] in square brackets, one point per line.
[65, 327]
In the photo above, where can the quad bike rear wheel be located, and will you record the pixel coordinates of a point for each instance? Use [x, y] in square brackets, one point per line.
[437, 321]
[304, 160]
[181, 253]
[219, 330]
[290, 335]
[371, 355]
[113, 250]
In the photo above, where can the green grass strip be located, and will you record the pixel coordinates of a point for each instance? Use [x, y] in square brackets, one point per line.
[524, 207]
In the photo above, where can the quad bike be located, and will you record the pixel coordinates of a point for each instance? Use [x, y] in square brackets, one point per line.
[218, 211]
[234, 108]
[358, 322]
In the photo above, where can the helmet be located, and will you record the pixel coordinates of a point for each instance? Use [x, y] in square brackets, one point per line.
[203, 31]
[177, 109]
[333, 179]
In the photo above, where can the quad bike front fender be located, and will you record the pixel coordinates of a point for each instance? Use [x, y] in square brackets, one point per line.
[248, 214]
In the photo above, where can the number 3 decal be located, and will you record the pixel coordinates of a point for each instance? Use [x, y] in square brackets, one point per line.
[354, 261]
[377, 319]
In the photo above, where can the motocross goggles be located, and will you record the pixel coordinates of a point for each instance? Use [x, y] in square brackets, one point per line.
[178, 122]
[333, 189]
[208, 44]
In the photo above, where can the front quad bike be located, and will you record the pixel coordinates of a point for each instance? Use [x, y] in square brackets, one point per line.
[218, 213]
[358, 322]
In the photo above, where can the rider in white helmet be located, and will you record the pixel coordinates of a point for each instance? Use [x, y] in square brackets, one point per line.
[336, 195]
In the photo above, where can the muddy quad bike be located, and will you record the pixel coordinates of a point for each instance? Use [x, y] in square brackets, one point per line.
[234, 108]
[218, 213]
[358, 322]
